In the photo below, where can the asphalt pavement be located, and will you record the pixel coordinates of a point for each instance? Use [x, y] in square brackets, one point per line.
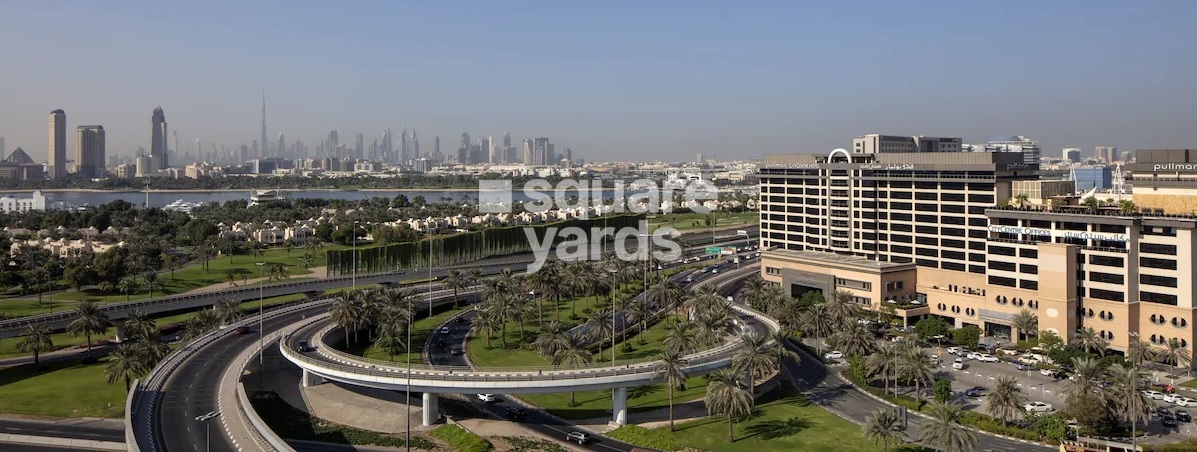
[7, 447]
[90, 429]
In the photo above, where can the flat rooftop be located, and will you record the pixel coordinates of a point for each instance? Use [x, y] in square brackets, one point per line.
[844, 260]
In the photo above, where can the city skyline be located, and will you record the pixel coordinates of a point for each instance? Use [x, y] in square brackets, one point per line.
[611, 84]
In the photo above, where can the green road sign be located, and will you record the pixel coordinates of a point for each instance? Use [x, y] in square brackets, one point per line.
[714, 250]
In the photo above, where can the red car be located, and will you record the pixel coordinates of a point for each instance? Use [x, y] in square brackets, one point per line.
[241, 330]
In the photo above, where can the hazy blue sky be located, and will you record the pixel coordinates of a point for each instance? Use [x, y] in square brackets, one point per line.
[611, 79]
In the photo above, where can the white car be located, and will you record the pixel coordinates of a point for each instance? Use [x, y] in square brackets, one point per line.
[987, 358]
[1155, 395]
[959, 364]
[1049, 372]
[1169, 398]
[1185, 401]
[487, 398]
[956, 351]
[1038, 407]
[833, 355]
[445, 330]
[973, 355]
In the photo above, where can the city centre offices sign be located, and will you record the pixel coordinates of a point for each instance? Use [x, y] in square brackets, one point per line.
[1058, 233]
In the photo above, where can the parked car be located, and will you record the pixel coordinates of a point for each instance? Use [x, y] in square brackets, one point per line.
[1038, 407]
[1049, 373]
[977, 391]
[1155, 395]
[1022, 366]
[1185, 401]
[1183, 416]
[577, 437]
[973, 355]
[833, 355]
[1162, 411]
[487, 398]
[956, 351]
[1169, 398]
[959, 364]
[987, 358]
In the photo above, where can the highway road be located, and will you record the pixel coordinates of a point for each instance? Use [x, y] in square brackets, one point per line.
[6, 447]
[97, 430]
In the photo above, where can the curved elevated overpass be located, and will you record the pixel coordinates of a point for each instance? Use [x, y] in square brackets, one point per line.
[331, 364]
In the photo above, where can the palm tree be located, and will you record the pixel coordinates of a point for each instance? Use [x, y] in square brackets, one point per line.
[754, 292]
[124, 363]
[152, 350]
[1092, 203]
[1174, 353]
[915, 364]
[598, 325]
[1026, 322]
[885, 427]
[1006, 400]
[550, 339]
[1020, 200]
[885, 361]
[754, 358]
[228, 311]
[725, 396]
[1091, 341]
[36, 340]
[944, 431]
[346, 313]
[671, 367]
[780, 347]
[277, 272]
[141, 326]
[817, 323]
[841, 309]
[307, 260]
[1127, 206]
[1086, 374]
[1127, 395]
[127, 285]
[484, 323]
[151, 283]
[681, 339]
[1140, 351]
[89, 321]
[455, 281]
[573, 352]
[392, 330]
[854, 339]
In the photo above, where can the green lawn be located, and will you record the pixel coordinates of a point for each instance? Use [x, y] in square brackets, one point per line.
[188, 278]
[689, 221]
[782, 421]
[63, 389]
[8, 347]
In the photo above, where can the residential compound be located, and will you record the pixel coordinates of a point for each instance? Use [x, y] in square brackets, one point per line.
[935, 233]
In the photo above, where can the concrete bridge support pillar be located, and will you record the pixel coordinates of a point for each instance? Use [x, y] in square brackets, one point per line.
[120, 334]
[619, 406]
[431, 411]
[311, 379]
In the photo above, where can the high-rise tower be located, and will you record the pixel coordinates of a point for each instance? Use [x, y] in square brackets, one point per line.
[330, 145]
[89, 151]
[403, 146]
[281, 148]
[57, 150]
[415, 145]
[506, 139]
[158, 159]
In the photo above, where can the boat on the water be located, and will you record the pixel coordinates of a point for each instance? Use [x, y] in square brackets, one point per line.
[267, 196]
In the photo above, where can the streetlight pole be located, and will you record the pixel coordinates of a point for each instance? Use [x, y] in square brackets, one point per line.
[1134, 341]
[207, 427]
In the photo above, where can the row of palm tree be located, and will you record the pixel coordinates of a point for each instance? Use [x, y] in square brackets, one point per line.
[942, 430]
[385, 313]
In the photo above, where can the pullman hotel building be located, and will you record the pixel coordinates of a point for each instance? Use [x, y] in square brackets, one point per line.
[931, 232]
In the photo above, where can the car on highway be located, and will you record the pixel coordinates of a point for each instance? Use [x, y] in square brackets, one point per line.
[304, 347]
[1183, 416]
[1038, 407]
[959, 364]
[977, 391]
[487, 398]
[440, 342]
[455, 350]
[444, 330]
[833, 355]
[241, 330]
[577, 437]
[987, 358]
[515, 414]
[1154, 395]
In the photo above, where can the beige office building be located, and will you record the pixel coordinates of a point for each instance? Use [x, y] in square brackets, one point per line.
[89, 151]
[56, 168]
[933, 234]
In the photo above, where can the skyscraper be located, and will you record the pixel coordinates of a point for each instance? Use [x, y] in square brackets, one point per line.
[529, 150]
[89, 151]
[57, 150]
[487, 150]
[415, 145]
[158, 159]
[262, 150]
[2, 149]
[331, 144]
[359, 145]
[175, 135]
[436, 145]
[403, 146]
[507, 139]
[281, 147]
